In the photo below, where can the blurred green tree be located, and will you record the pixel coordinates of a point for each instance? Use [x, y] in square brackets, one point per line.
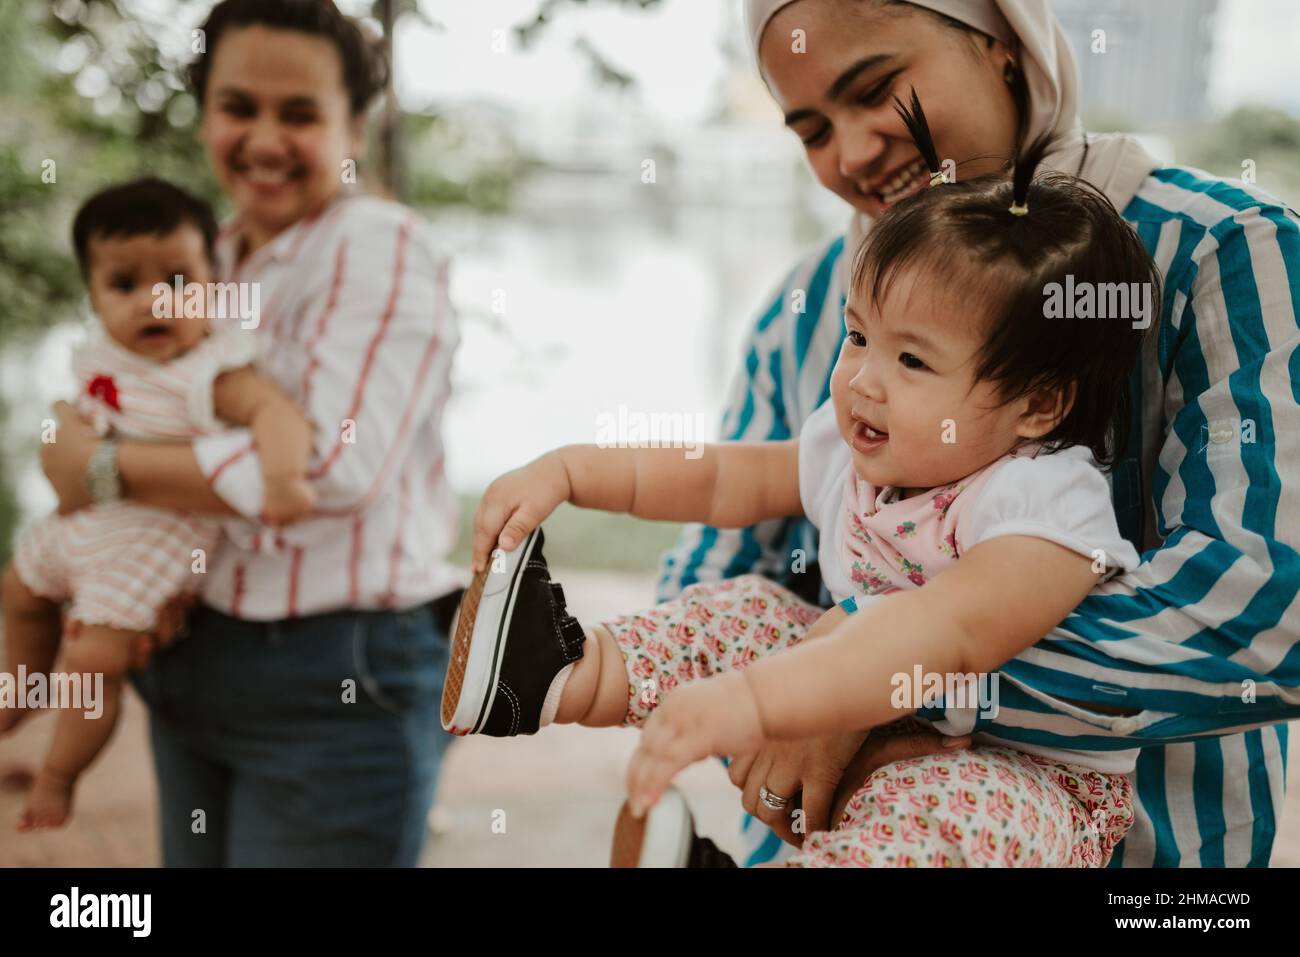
[94, 91]
[1257, 139]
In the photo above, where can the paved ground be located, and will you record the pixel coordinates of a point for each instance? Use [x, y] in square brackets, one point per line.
[557, 794]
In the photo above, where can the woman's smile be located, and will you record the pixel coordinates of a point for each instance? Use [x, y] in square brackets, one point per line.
[899, 183]
[267, 181]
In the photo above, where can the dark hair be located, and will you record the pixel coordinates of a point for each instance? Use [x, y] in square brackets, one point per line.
[967, 237]
[365, 69]
[148, 205]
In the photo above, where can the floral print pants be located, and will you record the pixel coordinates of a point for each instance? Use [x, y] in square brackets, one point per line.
[982, 807]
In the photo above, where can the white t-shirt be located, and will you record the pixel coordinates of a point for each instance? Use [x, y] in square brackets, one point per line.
[885, 543]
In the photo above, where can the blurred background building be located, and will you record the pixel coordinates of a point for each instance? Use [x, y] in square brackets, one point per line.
[1143, 65]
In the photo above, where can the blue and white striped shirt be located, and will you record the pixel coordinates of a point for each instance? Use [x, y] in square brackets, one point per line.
[1204, 636]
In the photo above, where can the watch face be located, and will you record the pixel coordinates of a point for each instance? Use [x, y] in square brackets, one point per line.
[102, 487]
[102, 479]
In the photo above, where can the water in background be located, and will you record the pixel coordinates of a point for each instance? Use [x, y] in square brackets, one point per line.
[644, 307]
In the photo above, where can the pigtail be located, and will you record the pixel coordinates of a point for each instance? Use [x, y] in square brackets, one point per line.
[914, 120]
[1022, 176]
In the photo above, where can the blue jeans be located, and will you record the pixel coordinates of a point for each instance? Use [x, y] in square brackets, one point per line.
[308, 742]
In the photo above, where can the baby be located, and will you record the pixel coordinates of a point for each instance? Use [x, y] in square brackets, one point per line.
[954, 478]
[141, 375]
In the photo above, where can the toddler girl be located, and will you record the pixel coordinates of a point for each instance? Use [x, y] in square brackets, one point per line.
[141, 375]
[953, 476]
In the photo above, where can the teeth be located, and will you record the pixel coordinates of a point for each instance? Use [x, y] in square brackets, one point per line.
[901, 183]
[268, 176]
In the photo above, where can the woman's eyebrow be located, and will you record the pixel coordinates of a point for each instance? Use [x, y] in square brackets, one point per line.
[842, 83]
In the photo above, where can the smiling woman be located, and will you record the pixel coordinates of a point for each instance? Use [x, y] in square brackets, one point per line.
[1212, 596]
[328, 753]
[276, 138]
[840, 102]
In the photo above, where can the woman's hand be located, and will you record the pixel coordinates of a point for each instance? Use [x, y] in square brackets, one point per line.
[826, 772]
[718, 715]
[788, 769]
[517, 503]
[811, 768]
[65, 460]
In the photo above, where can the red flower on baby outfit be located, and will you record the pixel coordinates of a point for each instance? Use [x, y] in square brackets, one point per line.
[103, 387]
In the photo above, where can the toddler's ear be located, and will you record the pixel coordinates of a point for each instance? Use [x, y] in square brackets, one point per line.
[1045, 409]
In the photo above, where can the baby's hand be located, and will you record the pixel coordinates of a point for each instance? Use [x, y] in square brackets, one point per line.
[517, 503]
[287, 500]
[715, 716]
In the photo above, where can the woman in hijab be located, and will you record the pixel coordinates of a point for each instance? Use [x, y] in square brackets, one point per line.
[1192, 655]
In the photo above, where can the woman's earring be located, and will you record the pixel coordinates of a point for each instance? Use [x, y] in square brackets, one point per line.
[1010, 70]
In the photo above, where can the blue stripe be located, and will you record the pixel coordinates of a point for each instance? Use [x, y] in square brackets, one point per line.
[816, 298]
[765, 851]
[1207, 779]
[690, 573]
[1150, 781]
[1264, 825]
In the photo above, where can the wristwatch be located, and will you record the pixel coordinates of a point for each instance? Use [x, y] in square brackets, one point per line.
[103, 481]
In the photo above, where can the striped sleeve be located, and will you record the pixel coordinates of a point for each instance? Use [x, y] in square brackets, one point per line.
[377, 336]
[1204, 636]
[765, 405]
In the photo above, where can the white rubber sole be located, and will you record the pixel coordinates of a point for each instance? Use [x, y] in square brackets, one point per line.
[479, 640]
[661, 839]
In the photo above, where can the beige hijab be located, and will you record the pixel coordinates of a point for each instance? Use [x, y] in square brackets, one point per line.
[1114, 163]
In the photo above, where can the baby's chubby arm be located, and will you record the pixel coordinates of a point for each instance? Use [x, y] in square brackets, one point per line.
[999, 599]
[731, 485]
[283, 435]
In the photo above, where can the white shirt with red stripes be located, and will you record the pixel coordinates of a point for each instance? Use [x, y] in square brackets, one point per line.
[137, 397]
[357, 328]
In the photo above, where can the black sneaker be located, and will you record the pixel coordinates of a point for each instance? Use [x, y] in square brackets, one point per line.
[663, 838]
[512, 636]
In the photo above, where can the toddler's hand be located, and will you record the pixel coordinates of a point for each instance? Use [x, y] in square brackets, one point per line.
[711, 717]
[287, 500]
[517, 503]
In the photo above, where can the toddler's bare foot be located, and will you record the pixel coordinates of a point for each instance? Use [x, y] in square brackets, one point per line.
[48, 803]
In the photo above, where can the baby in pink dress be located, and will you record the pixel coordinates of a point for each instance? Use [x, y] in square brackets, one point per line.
[117, 563]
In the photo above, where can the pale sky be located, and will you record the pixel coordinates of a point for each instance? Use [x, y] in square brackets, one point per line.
[672, 50]
[1257, 54]
[673, 53]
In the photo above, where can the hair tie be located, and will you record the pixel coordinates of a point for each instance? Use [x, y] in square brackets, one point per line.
[919, 129]
[1019, 209]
